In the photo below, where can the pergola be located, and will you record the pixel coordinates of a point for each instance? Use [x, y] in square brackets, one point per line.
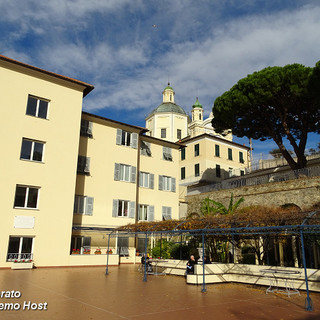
[229, 227]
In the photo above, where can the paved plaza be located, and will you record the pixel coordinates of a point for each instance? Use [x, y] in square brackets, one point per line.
[86, 293]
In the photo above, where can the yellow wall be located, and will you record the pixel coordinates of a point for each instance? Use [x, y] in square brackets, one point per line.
[208, 161]
[100, 184]
[55, 176]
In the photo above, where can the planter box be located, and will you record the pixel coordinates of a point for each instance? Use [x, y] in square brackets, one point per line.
[22, 265]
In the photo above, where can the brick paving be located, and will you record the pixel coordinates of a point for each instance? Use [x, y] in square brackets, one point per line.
[86, 293]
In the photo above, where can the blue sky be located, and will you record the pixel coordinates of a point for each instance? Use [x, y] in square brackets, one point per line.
[129, 49]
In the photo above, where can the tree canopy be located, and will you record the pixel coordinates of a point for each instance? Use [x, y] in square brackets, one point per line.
[274, 103]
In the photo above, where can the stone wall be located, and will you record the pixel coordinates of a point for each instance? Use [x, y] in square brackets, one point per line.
[303, 192]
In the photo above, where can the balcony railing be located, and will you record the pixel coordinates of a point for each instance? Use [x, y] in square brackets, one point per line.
[19, 256]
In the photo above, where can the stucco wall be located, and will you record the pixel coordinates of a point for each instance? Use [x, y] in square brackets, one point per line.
[303, 192]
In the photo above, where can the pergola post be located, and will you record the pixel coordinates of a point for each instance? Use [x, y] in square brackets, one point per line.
[203, 267]
[145, 258]
[308, 302]
[107, 270]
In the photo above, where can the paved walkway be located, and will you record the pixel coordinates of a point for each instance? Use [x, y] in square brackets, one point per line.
[86, 293]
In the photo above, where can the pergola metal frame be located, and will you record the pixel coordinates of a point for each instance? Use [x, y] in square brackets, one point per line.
[297, 230]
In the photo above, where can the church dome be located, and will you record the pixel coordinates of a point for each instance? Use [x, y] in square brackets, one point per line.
[167, 107]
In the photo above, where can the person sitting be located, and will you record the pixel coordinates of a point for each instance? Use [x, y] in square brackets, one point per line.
[146, 260]
[190, 265]
[207, 260]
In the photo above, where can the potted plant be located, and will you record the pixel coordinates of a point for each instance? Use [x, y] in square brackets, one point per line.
[98, 251]
[109, 251]
[75, 251]
[22, 264]
[86, 251]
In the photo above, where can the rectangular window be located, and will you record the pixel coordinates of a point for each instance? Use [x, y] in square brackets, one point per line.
[230, 172]
[123, 208]
[83, 165]
[183, 153]
[126, 138]
[197, 170]
[167, 154]
[167, 183]
[183, 173]
[86, 128]
[166, 213]
[241, 173]
[145, 148]
[229, 154]
[241, 160]
[163, 133]
[123, 246]
[124, 172]
[146, 212]
[178, 134]
[31, 150]
[217, 150]
[20, 248]
[83, 205]
[196, 150]
[218, 171]
[37, 107]
[26, 197]
[80, 244]
[146, 180]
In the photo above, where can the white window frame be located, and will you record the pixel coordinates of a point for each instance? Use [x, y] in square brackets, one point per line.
[127, 135]
[145, 209]
[83, 205]
[37, 107]
[11, 256]
[25, 206]
[117, 213]
[146, 180]
[167, 183]
[33, 142]
[125, 172]
[125, 205]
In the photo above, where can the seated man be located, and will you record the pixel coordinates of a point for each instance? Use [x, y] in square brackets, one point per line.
[190, 265]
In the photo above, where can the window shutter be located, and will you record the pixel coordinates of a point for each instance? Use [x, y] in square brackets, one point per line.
[151, 213]
[169, 151]
[164, 213]
[173, 184]
[86, 242]
[133, 174]
[89, 206]
[87, 165]
[132, 207]
[160, 182]
[89, 130]
[148, 149]
[140, 179]
[119, 136]
[151, 181]
[115, 208]
[117, 171]
[134, 141]
[81, 205]
[75, 208]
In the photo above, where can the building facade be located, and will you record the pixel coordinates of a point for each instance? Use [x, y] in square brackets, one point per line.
[41, 114]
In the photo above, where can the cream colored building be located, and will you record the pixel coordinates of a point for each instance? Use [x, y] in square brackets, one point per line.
[168, 121]
[126, 177]
[40, 125]
[207, 157]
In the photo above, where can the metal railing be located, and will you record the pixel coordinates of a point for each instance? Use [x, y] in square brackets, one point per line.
[258, 180]
[19, 256]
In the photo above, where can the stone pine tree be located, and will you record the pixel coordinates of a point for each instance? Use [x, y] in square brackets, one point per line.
[275, 103]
